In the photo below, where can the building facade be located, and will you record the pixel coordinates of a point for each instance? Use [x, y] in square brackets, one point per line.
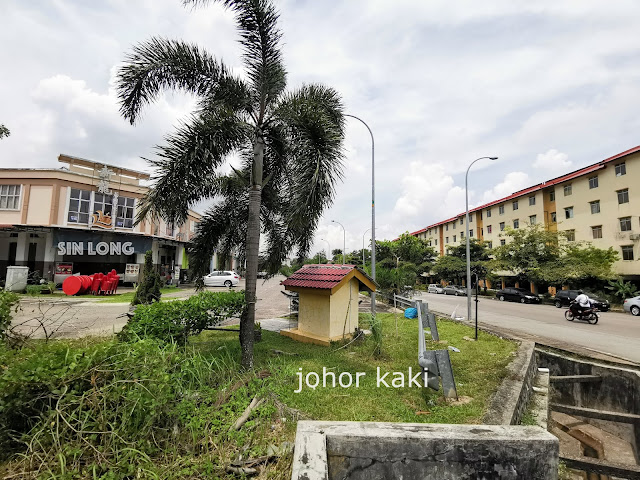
[598, 204]
[80, 219]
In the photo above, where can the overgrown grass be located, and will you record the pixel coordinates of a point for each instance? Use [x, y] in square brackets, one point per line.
[101, 409]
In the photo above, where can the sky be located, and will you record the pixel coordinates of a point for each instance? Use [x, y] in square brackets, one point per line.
[547, 86]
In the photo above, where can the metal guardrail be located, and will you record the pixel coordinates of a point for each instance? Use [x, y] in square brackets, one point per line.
[436, 364]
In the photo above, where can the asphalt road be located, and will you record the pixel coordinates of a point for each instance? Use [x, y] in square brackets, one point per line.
[615, 334]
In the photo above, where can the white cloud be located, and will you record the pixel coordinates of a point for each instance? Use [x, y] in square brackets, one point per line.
[512, 182]
[552, 162]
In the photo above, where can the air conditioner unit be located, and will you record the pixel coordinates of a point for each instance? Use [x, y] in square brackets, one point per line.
[634, 236]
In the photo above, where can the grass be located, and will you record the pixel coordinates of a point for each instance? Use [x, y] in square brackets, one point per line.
[152, 411]
[126, 297]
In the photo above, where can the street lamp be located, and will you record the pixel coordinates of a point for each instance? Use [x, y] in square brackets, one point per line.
[365, 232]
[373, 214]
[328, 246]
[344, 240]
[466, 195]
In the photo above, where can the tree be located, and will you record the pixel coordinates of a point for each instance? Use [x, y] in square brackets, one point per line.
[289, 143]
[336, 255]
[479, 254]
[149, 289]
[450, 268]
[4, 131]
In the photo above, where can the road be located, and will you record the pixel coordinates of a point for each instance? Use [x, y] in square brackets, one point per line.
[616, 334]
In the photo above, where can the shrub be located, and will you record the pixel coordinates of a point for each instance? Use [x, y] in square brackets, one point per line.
[149, 289]
[9, 304]
[176, 320]
[34, 290]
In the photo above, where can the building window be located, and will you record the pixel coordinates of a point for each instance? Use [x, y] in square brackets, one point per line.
[470, 217]
[470, 233]
[488, 213]
[446, 227]
[515, 205]
[454, 225]
[595, 206]
[488, 228]
[567, 190]
[454, 238]
[501, 226]
[621, 169]
[571, 235]
[10, 197]
[103, 203]
[552, 196]
[593, 182]
[124, 216]
[503, 242]
[568, 212]
[625, 224]
[554, 219]
[627, 252]
[501, 209]
[461, 235]
[461, 220]
[532, 219]
[516, 223]
[532, 200]
[446, 239]
[623, 196]
[596, 231]
[489, 244]
[436, 241]
[79, 204]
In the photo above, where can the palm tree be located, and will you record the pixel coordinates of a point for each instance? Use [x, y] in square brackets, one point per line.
[289, 147]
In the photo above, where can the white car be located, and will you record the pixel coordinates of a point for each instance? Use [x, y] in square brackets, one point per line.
[221, 279]
[632, 305]
[435, 288]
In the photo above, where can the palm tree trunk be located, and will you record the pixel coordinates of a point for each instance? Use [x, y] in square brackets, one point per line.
[252, 249]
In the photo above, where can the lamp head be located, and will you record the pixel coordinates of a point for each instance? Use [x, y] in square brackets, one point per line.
[493, 158]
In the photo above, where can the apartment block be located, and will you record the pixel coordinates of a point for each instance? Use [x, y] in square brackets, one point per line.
[598, 204]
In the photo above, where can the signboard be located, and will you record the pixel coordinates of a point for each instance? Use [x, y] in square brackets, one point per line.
[100, 248]
[84, 242]
[64, 268]
[132, 272]
[101, 220]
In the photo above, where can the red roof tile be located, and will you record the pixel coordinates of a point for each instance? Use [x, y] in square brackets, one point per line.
[318, 276]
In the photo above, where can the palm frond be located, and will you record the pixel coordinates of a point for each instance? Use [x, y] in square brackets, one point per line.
[159, 64]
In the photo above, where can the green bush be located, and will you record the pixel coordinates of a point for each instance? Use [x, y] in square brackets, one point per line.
[34, 290]
[9, 304]
[149, 289]
[175, 321]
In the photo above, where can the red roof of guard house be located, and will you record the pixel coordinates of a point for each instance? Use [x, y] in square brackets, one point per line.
[327, 277]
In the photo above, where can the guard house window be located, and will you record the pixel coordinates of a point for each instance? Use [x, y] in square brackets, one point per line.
[103, 203]
[568, 212]
[515, 205]
[501, 209]
[593, 182]
[623, 196]
[79, 204]
[567, 190]
[488, 228]
[488, 213]
[10, 197]
[501, 226]
[532, 200]
[627, 252]
[625, 224]
[595, 206]
[571, 235]
[552, 196]
[596, 231]
[532, 219]
[516, 223]
[124, 215]
[621, 169]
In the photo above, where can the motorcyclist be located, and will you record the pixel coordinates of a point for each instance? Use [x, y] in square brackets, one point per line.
[583, 302]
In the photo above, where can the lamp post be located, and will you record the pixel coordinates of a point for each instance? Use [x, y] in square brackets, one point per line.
[344, 240]
[365, 232]
[466, 195]
[328, 246]
[373, 214]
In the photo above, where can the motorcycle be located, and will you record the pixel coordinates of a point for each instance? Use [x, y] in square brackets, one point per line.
[588, 314]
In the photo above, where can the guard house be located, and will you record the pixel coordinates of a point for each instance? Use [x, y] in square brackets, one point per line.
[328, 307]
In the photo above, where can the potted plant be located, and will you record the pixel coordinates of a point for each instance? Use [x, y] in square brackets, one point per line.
[257, 332]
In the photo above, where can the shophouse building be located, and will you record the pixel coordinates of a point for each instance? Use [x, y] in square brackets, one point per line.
[598, 204]
[80, 219]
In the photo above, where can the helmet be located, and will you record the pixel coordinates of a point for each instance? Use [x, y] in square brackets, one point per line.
[580, 292]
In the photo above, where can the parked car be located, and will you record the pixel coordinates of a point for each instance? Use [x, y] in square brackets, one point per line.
[434, 288]
[632, 305]
[221, 278]
[517, 295]
[262, 274]
[454, 290]
[565, 297]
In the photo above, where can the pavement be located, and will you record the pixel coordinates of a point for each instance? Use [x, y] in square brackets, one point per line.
[616, 335]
